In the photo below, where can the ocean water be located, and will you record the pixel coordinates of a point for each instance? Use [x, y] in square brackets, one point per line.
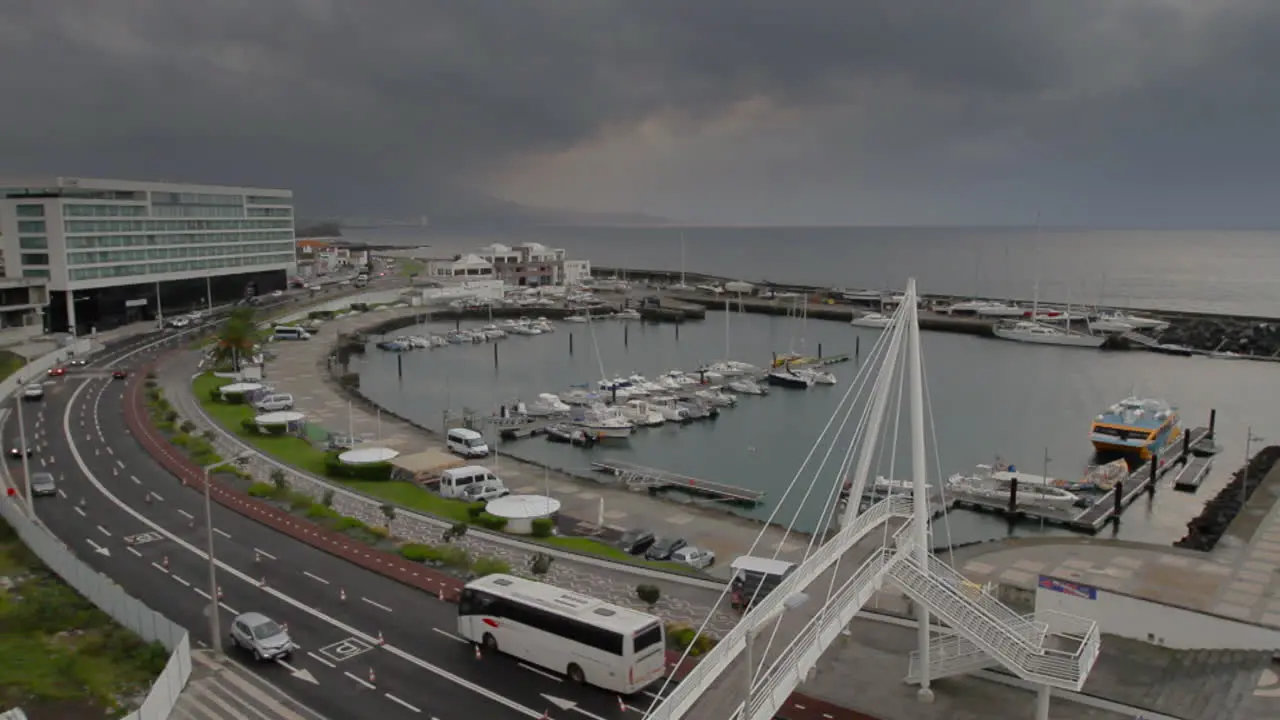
[1203, 270]
[985, 398]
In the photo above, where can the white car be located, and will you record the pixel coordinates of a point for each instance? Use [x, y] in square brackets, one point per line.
[484, 491]
[260, 635]
[694, 557]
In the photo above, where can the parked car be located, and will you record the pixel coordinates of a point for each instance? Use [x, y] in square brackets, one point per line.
[42, 484]
[34, 391]
[694, 557]
[636, 542]
[663, 547]
[265, 638]
[484, 491]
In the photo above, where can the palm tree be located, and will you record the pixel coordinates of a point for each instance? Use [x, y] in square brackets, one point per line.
[237, 336]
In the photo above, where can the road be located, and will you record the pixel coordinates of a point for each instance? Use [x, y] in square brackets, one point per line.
[384, 649]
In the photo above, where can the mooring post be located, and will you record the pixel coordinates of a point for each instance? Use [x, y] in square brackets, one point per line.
[1155, 473]
[1213, 422]
[677, 331]
[819, 351]
[1013, 495]
[614, 391]
[495, 356]
[626, 336]
[570, 344]
[400, 364]
[1119, 506]
[857, 346]
[457, 323]
[1186, 445]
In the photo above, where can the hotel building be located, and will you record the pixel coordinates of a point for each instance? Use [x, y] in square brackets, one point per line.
[117, 251]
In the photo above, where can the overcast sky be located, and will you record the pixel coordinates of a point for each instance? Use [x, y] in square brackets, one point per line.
[1096, 112]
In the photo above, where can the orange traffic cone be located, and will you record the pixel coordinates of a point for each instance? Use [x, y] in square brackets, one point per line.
[478, 652]
[219, 592]
[164, 562]
[373, 679]
[621, 705]
[380, 640]
[285, 626]
[263, 581]
[256, 557]
[342, 595]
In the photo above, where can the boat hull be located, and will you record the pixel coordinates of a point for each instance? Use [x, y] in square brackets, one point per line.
[1063, 339]
[790, 381]
[603, 432]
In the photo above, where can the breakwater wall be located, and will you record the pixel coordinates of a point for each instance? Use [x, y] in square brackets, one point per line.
[1256, 337]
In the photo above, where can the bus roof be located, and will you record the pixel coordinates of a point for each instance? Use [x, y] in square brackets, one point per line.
[766, 566]
[563, 602]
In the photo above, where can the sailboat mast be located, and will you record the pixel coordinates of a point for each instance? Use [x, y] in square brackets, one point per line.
[726, 330]
[682, 258]
[596, 346]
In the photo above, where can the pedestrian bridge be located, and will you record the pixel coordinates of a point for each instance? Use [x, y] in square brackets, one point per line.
[757, 665]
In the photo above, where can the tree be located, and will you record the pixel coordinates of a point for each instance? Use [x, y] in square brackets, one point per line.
[389, 512]
[237, 337]
[540, 564]
[648, 594]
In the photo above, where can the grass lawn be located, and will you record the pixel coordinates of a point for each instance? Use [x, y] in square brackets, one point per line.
[10, 363]
[408, 267]
[59, 655]
[303, 455]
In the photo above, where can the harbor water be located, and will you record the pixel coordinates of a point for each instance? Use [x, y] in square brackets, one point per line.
[985, 398]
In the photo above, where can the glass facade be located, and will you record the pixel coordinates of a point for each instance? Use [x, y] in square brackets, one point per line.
[124, 226]
[30, 211]
[31, 226]
[162, 253]
[85, 210]
[33, 242]
[82, 242]
[114, 271]
[35, 258]
[35, 273]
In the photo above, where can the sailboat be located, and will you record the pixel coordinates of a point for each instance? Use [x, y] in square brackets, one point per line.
[1039, 333]
[681, 286]
[728, 368]
[879, 320]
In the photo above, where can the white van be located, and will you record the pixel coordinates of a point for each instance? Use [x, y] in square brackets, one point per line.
[454, 482]
[274, 403]
[467, 443]
[289, 332]
[755, 577]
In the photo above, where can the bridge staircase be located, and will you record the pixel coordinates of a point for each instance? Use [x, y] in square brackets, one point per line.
[1047, 648]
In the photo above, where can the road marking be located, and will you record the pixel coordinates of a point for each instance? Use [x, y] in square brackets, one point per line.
[135, 479]
[451, 636]
[320, 660]
[184, 582]
[541, 672]
[113, 452]
[156, 495]
[81, 512]
[98, 548]
[362, 682]
[344, 650]
[62, 494]
[265, 554]
[377, 605]
[591, 715]
[228, 608]
[317, 578]
[400, 702]
[103, 531]
[223, 534]
[187, 515]
[200, 592]
[134, 551]
[289, 600]
[159, 567]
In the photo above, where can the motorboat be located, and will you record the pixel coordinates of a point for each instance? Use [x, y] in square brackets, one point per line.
[569, 435]
[786, 377]
[543, 325]
[580, 397]
[642, 413]
[670, 408]
[991, 489]
[1226, 355]
[416, 341]
[640, 382]
[820, 377]
[493, 332]
[605, 422]
[458, 337]
[1001, 310]
[575, 318]
[716, 398]
[1134, 322]
[872, 320]
[700, 409]
[1110, 323]
[547, 404]
[617, 388]
[1135, 426]
[392, 346]
[438, 341]
[524, 327]
[967, 307]
[627, 314]
[677, 380]
[1041, 334]
[746, 386]
[729, 368]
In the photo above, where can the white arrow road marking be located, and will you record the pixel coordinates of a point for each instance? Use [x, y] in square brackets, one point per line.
[300, 674]
[319, 659]
[287, 599]
[186, 514]
[222, 533]
[98, 548]
[560, 702]
[265, 554]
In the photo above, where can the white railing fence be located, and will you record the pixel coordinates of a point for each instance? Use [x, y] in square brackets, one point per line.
[97, 588]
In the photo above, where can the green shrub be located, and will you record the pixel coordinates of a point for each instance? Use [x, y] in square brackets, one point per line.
[453, 556]
[215, 395]
[187, 426]
[416, 552]
[474, 510]
[491, 522]
[349, 523]
[249, 426]
[379, 533]
[299, 501]
[171, 416]
[543, 527]
[490, 566]
[181, 440]
[262, 490]
[278, 479]
[320, 512]
[327, 498]
[540, 564]
[648, 594]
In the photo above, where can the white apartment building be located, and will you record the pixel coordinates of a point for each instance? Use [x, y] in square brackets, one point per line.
[534, 264]
[114, 251]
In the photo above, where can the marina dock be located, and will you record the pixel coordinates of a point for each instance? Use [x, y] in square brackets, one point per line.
[638, 477]
[1192, 473]
[1193, 455]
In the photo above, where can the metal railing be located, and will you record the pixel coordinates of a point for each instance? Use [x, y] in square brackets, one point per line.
[950, 655]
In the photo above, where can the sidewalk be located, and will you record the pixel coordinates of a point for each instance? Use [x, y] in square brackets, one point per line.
[220, 689]
[680, 601]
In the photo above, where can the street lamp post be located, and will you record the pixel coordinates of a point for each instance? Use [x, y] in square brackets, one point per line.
[22, 448]
[791, 603]
[215, 625]
[1249, 440]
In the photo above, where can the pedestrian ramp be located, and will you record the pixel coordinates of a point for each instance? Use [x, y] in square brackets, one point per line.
[222, 689]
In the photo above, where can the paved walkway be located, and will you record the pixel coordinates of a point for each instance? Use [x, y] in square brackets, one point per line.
[219, 689]
[301, 369]
[1240, 578]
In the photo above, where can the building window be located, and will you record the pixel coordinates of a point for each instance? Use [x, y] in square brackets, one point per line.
[35, 258]
[31, 226]
[268, 200]
[81, 210]
[32, 273]
[34, 242]
[31, 211]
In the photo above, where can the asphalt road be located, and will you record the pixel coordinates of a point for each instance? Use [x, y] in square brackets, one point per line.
[130, 519]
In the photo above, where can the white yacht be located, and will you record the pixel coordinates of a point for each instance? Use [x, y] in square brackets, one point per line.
[417, 341]
[580, 396]
[1135, 322]
[640, 382]
[670, 408]
[547, 404]
[524, 327]
[605, 422]
[627, 314]
[642, 413]
[1110, 323]
[493, 332]
[677, 380]
[999, 490]
[543, 325]
[575, 318]
[1001, 310]
[820, 377]
[729, 368]
[746, 386]
[617, 387]
[437, 341]
[871, 320]
[715, 398]
[1041, 334]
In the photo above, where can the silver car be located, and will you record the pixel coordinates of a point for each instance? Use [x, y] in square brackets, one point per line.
[42, 484]
[262, 636]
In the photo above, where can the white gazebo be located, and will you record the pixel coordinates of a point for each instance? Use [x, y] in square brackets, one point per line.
[242, 389]
[740, 288]
[367, 456]
[521, 510]
[290, 419]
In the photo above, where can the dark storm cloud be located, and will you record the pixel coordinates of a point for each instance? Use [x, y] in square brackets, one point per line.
[346, 101]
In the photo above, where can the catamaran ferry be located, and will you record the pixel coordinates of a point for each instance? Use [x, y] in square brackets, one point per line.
[1135, 426]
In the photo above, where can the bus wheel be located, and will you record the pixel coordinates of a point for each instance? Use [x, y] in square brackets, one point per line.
[576, 674]
[490, 643]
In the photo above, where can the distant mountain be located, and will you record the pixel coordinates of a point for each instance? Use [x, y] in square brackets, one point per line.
[456, 207]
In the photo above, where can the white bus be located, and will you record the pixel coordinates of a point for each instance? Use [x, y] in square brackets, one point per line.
[590, 641]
